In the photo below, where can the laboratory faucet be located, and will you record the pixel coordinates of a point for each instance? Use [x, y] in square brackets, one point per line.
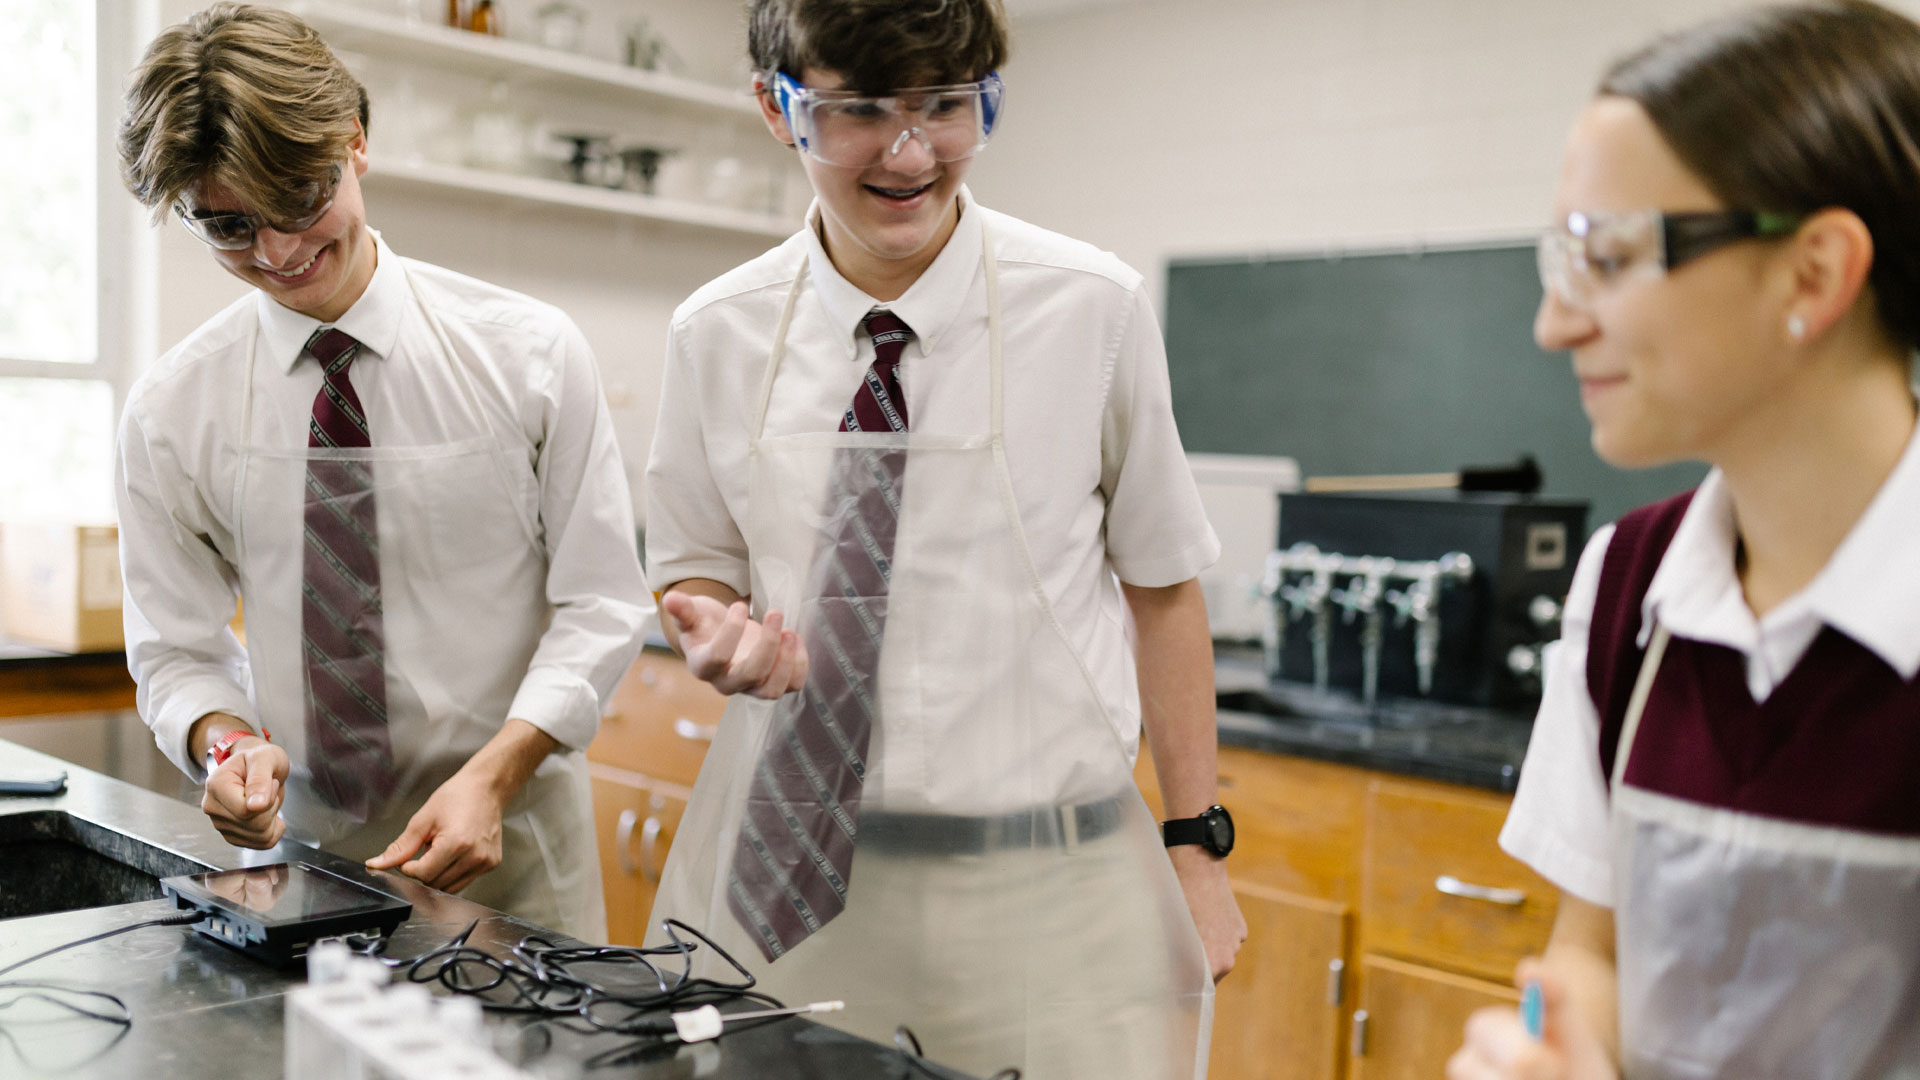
[1361, 598]
[1419, 603]
[1273, 625]
[1305, 597]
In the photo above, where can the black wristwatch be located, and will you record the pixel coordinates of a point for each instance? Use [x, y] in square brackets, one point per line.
[1212, 830]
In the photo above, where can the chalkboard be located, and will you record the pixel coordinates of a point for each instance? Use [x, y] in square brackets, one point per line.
[1386, 363]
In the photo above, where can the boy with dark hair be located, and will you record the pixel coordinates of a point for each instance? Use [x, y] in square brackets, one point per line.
[901, 461]
[433, 540]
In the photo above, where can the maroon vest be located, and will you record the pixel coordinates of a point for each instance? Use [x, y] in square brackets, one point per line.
[1836, 743]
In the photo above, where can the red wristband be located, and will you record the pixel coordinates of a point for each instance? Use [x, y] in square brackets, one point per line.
[220, 751]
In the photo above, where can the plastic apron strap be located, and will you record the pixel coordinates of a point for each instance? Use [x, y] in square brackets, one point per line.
[1637, 703]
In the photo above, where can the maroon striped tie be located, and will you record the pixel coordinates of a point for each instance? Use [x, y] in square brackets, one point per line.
[341, 632]
[794, 858]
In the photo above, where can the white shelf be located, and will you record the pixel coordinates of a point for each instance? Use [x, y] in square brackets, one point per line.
[584, 197]
[360, 30]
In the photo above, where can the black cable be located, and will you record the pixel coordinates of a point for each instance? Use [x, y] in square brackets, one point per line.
[539, 977]
[45, 991]
[170, 920]
[909, 1046]
[39, 990]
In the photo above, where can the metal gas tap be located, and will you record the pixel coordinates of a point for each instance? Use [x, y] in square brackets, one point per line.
[1305, 597]
[1419, 603]
[1361, 598]
[1273, 625]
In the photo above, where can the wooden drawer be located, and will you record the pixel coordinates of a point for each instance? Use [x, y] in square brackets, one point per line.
[1440, 890]
[661, 721]
[1297, 823]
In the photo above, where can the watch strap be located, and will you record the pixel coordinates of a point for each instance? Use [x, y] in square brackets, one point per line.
[1191, 830]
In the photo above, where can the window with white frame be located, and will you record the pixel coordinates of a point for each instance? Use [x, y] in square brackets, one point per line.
[56, 393]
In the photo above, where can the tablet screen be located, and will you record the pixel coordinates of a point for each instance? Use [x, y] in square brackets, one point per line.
[287, 893]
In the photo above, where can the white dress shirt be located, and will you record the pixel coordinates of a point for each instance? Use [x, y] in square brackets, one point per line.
[1101, 482]
[539, 390]
[1869, 590]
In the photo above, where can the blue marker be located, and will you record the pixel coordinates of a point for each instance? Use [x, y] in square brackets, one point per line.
[1533, 1010]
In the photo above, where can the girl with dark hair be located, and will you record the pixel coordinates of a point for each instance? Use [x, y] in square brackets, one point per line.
[1725, 774]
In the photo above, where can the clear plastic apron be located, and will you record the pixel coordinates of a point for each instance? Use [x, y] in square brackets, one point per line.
[1063, 945]
[462, 583]
[1751, 947]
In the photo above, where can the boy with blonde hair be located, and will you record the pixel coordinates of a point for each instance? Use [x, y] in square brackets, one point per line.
[410, 478]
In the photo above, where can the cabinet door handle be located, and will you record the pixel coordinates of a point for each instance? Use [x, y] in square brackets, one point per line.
[623, 840]
[649, 840]
[693, 732]
[1336, 982]
[1466, 890]
[1359, 1033]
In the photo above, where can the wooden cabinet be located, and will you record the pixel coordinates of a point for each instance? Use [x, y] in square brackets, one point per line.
[635, 820]
[1432, 917]
[644, 763]
[1380, 909]
[1280, 1014]
[1300, 827]
[1410, 1017]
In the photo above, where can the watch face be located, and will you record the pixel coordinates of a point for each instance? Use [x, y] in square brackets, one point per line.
[1219, 830]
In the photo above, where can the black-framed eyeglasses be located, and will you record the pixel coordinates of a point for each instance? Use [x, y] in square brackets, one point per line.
[231, 230]
[1587, 252]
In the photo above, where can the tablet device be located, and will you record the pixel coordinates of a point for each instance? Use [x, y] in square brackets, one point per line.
[273, 913]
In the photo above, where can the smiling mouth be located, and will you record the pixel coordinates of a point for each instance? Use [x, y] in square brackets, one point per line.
[298, 271]
[901, 194]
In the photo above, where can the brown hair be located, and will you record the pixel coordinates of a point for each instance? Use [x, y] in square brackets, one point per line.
[1795, 109]
[246, 96]
[879, 45]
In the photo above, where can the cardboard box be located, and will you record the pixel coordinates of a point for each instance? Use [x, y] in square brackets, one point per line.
[60, 585]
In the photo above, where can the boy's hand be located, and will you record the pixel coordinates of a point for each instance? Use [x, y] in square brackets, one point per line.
[243, 795]
[1215, 910]
[1498, 1047]
[452, 839]
[725, 647]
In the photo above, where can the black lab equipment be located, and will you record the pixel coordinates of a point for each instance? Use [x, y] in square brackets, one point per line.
[1491, 627]
[272, 913]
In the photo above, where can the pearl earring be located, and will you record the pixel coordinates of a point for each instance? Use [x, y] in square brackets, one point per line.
[1796, 327]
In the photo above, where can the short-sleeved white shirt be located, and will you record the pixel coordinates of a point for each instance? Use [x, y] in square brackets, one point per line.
[1101, 481]
[1869, 590]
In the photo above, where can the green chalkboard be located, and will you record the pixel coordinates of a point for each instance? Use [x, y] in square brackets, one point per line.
[1386, 363]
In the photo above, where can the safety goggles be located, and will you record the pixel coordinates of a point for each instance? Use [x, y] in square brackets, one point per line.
[230, 230]
[841, 127]
[1588, 252]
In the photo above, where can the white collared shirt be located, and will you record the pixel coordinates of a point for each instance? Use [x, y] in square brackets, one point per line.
[1869, 590]
[1099, 475]
[536, 382]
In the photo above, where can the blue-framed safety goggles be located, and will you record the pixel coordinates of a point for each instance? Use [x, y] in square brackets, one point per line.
[846, 128]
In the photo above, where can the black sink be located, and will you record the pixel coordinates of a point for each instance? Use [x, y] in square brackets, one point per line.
[1299, 704]
[52, 861]
[1257, 701]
